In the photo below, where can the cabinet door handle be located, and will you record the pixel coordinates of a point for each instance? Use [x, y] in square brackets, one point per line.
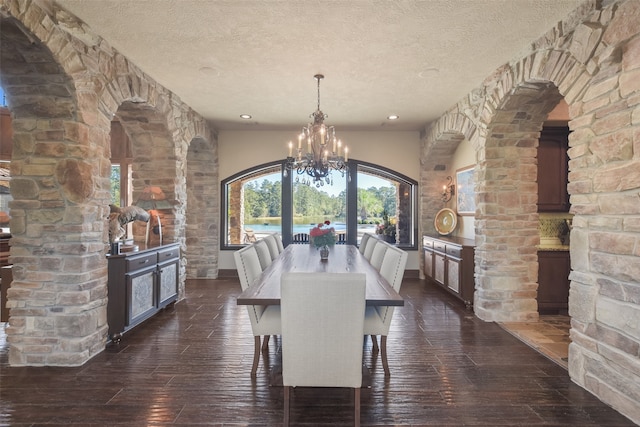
[143, 262]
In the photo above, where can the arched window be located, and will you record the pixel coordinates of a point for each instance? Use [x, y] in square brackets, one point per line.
[368, 198]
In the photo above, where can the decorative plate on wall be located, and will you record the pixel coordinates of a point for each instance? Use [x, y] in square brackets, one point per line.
[446, 221]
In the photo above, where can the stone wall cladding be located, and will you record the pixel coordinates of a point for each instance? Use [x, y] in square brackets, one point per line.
[593, 59]
[61, 169]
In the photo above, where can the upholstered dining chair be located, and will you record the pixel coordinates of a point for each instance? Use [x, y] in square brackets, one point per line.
[265, 320]
[377, 320]
[368, 250]
[378, 254]
[270, 239]
[278, 239]
[264, 255]
[322, 327]
[363, 242]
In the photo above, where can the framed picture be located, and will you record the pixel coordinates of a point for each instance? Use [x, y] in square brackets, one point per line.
[465, 195]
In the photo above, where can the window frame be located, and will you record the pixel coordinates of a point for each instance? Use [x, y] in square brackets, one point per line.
[287, 200]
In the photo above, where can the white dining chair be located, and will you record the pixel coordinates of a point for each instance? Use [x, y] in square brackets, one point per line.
[322, 329]
[377, 320]
[278, 239]
[378, 254]
[270, 239]
[264, 255]
[363, 242]
[368, 250]
[265, 320]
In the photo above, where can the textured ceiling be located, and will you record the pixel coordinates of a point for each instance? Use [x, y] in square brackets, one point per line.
[415, 59]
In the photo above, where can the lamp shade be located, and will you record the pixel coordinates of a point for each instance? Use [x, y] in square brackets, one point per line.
[153, 198]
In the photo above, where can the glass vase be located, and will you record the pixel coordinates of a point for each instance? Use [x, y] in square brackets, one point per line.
[324, 253]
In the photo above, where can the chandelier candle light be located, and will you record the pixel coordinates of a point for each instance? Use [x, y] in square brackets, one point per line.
[324, 152]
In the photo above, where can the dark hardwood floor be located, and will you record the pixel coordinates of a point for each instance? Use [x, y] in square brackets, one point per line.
[190, 366]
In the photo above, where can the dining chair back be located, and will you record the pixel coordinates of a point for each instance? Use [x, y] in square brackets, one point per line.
[363, 242]
[265, 320]
[264, 255]
[278, 239]
[248, 265]
[393, 265]
[378, 254]
[378, 319]
[368, 250]
[270, 239]
[322, 329]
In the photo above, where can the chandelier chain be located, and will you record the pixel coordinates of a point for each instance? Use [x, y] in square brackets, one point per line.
[319, 77]
[324, 153]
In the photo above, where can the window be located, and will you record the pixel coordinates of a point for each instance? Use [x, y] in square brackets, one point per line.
[252, 201]
[5, 196]
[367, 199]
[386, 204]
[115, 185]
[121, 169]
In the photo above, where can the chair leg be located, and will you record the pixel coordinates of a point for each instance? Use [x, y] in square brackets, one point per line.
[256, 354]
[265, 343]
[287, 389]
[383, 351]
[374, 341]
[356, 404]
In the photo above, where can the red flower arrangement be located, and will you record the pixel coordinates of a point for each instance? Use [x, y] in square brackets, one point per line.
[323, 236]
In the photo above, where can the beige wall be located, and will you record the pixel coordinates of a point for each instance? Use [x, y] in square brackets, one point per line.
[463, 157]
[240, 150]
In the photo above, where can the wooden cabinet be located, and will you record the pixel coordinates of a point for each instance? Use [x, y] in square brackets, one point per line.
[449, 262]
[553, 281]
[140, 284]
[6, 277]
[553, 170]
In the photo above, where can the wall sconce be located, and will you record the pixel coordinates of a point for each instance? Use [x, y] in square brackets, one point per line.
[448, 190]
[152, 199]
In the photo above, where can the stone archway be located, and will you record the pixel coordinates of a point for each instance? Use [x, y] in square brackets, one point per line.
[203, 214]
[56, 299]
[593, 59]
[507, 212]
[64, 84]
[154, 160]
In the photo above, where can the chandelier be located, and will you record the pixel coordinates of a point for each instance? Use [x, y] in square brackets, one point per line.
[319, 152]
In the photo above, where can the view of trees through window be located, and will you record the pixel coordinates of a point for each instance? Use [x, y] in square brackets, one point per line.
[115, 185]
[255, 204]
[262, 202]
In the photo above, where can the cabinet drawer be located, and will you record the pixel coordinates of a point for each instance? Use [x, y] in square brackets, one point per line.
[167, 254]
[455, 251]
[142, 261]
[439, 246]
[427, 243]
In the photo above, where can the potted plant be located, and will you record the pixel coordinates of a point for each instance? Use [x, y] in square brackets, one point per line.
[387, 230]
[323, 237]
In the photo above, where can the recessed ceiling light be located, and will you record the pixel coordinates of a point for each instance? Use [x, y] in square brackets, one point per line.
[393, 117]
[428, 72]
[209, 71]
[245, 116]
